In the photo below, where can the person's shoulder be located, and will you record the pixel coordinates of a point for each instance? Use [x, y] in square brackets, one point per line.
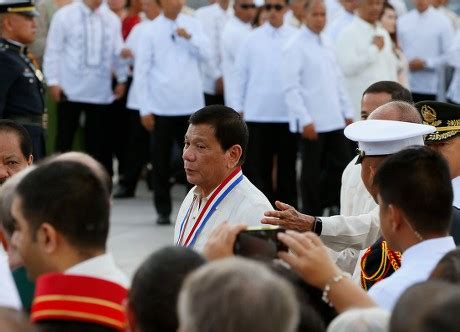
[66, 10]
[205, 10]
[252, 195]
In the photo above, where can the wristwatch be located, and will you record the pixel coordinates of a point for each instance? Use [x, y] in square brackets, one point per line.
[318, 226]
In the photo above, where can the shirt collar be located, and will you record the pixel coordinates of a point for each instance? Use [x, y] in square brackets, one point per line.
[272, 31]
[240, 22]
[89, 11]
[365, 23]
[426, 12]
[427, 248]
[91, 264]
[310, 34]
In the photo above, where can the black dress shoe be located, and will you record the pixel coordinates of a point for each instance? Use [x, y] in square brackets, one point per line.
[123, 192]
[163, 220]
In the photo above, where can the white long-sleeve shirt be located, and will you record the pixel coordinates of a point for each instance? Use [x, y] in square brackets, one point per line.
[233, 35]
[213, 19]
[83, 49]
[258, 85]
[454, 60]
[135, 38]
[313, 84]
[362, 62]
[427, 36]
[168, 67]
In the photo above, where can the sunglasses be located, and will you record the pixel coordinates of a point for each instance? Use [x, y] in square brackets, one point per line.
[276, 7]
[247, 6]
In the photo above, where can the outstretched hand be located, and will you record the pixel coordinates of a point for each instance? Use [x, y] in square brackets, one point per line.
[289, 218]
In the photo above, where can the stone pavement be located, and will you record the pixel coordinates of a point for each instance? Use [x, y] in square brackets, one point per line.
[134, 234]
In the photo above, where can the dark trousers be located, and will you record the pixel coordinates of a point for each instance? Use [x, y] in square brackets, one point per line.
[168, 130]
[422, 96]
[96, 130]
[323, 162]
[271, 160]
[213, 99]
[37, 134]
[135, 151]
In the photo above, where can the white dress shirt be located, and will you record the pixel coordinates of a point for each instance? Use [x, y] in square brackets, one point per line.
[9, 296]
[102, 267]
[135, 38]
[427, 36]
[258, 85]
[213, 19]
[245, 204]
[456, 188]
[233, 35]
[454, 60]
[313, 84]
[82, 50]
[338, 24]
[168, 67]
[362, 62]
[417, 263]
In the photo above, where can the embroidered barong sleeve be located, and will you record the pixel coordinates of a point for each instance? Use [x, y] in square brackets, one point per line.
[55, 44]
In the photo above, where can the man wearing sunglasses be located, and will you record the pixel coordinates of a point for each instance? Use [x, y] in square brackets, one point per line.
[235, 32]
[259, 96]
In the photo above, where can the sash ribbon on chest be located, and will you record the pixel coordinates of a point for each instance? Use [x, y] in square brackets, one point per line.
[208, 210]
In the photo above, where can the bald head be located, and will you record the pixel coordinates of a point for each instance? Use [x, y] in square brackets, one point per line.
[396, 111]
[90, 162]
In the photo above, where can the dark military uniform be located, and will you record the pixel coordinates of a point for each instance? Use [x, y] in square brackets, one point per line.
[21, 93]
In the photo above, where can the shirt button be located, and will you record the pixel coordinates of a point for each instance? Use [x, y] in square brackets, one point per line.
[31, 80]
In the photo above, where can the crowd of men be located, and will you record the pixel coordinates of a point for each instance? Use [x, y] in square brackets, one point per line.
[267, 103]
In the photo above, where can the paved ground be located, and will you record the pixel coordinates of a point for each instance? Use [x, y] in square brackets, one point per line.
[133, 233]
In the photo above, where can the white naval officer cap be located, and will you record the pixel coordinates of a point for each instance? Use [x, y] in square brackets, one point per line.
[385, 137]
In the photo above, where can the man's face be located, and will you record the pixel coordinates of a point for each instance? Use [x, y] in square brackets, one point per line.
[370, 10]
[276, 10]
[421, 5]
[12, 160]
[349, 5]
[450, 150]
[26, 243]
[151, 8]
[297, 7]
[206, 163]
[172, 8]
[371, 101]
[245, 10]
[21, 28]
[315, 17]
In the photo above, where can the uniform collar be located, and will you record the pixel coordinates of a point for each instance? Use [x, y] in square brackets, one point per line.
[14, 45]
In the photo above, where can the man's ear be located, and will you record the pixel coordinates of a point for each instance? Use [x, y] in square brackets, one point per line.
[396, 217]
[48, 238]
[30, 160]
[235, 152]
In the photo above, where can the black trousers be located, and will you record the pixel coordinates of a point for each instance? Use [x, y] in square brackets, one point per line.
[422, 96]
[37, 134]
[96, 130]
[134, 152]
[213, 99]
[168, 130]
[271, 160]
[323, 162]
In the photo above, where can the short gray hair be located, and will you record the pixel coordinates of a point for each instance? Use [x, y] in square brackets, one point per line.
[234, 295]
[361, 320]
[7, 191]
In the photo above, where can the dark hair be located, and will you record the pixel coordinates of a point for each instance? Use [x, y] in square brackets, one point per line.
[396, 90]
[156, 285]
[25, 142]
[417, 180]
[315, 314]
[448, 268]
[70, 197]
[443, 316]
[229, 127]
[415, 303]
[393, 35]
[70, 326]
